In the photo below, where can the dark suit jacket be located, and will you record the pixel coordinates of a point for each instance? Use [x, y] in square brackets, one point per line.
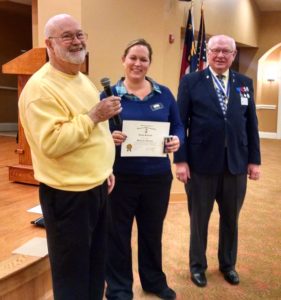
[210, 133]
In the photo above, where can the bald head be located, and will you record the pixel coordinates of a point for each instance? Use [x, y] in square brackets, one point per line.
[216, 39]
[55, 24]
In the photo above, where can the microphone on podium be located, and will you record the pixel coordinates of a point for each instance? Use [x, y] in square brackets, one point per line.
[105, 82]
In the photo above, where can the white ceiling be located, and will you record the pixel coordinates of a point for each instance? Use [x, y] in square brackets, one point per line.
[264, 5]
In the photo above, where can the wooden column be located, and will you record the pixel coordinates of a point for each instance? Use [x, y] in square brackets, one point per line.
[24, 66]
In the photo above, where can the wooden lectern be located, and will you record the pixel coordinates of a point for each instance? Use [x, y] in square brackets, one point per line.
[24, 66]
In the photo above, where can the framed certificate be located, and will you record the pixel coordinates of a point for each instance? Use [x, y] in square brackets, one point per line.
[144, 138]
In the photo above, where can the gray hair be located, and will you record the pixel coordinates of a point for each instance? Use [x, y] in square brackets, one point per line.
[215, 38]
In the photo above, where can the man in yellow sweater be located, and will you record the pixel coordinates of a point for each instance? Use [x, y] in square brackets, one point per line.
[72, 151]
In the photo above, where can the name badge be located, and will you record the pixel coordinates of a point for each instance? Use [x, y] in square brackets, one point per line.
[156, 106]
[244, 101]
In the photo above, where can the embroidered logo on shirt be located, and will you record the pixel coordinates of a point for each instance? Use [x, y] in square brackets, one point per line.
[156, 106]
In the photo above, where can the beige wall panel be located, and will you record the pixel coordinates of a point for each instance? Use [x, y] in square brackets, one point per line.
[112, 25]
[237, 18]
[270, 31]
[267, 120]
[35, 32]
[269, 90]
[47, 9]
[269, 36]
[270, 68]
[269, 93]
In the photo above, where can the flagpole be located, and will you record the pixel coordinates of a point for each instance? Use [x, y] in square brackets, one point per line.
[189, 58]
[201, 42]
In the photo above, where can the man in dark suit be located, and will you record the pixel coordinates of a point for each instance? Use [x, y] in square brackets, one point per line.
[221, 147]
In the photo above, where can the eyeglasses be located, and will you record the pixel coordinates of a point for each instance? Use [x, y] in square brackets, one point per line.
[223, 51]
[69, 37]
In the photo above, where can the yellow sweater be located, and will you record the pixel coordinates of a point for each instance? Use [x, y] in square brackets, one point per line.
[69, 152]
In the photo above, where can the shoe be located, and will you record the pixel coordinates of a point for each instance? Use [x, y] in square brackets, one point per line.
[199, 279]
[231, 277]
[165, 294]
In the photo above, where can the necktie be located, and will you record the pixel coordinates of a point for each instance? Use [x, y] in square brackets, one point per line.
[221, 94]
[221, 80]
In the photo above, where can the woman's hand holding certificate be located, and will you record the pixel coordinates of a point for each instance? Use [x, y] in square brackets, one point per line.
[144, 138]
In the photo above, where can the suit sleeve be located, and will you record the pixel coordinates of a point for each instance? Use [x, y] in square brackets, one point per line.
[252, 131]
[183, 102]
[175, 120]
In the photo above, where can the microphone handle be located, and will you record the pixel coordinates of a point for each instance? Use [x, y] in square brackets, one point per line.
[116, 119]
[108, 91]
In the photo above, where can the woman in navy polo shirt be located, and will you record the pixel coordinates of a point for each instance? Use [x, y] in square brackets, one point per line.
[143, 184]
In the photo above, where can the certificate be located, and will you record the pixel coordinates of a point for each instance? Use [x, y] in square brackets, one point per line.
[144, 138]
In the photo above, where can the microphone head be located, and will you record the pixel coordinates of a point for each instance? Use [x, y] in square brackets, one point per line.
[105, 81]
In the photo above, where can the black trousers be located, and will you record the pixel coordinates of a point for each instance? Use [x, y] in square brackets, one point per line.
[146, 199]
[76, 236]
[229, 192]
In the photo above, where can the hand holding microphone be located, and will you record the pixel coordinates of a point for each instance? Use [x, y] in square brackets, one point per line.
[105, 82]
[106, 109]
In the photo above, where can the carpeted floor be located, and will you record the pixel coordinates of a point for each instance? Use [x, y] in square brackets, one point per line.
[259, 255]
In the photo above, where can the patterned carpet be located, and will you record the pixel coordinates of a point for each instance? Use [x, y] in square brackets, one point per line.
[259, 254]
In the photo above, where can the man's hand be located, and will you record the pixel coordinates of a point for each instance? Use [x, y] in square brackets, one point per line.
[182, 172]
[110, 183]
[118, 137]
[105, 109]
[254, 171]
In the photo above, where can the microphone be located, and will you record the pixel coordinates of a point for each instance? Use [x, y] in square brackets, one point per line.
[105, 82]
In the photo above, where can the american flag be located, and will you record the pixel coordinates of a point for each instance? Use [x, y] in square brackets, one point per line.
[189, 58]
[201, 45]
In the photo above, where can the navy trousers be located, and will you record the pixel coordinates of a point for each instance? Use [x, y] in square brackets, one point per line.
[146, 199]
[76, 235]
[229, 192]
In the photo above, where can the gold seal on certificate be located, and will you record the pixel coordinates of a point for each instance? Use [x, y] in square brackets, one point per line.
[144, 138]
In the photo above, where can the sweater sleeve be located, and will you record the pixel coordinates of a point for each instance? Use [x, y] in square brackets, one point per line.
[57, 133]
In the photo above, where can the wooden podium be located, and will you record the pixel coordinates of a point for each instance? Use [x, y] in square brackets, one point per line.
[24, 66]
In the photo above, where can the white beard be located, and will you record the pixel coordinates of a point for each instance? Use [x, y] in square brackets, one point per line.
[71, 57]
